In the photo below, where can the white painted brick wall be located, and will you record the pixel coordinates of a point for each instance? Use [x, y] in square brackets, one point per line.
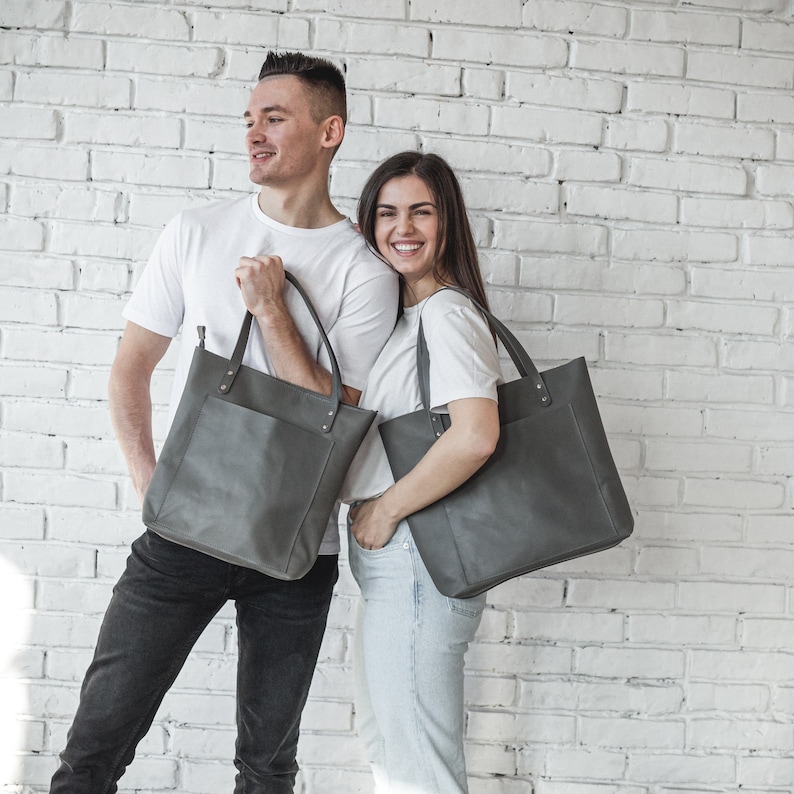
[628, 166]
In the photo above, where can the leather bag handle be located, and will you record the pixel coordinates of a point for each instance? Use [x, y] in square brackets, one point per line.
[235, 362]
[523, 363]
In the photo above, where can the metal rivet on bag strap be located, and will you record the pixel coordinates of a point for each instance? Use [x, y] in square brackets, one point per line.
[224, 387]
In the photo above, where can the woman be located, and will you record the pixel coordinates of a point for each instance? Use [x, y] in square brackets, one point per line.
[411, 640]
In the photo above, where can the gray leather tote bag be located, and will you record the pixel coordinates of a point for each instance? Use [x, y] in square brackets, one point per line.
[252, 466]
[549, 493]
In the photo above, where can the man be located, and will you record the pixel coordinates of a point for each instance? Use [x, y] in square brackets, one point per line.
[197, 276]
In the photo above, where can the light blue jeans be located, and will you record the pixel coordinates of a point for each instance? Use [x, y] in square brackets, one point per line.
[409, 648]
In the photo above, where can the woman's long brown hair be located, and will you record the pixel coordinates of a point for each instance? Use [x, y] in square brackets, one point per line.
[458, 263]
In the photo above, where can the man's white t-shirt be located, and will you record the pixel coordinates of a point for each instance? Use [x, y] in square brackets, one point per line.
[189, 281]
[464, 363]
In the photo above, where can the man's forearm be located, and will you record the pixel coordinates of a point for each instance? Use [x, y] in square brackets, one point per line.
[131, 415]
[288, 353]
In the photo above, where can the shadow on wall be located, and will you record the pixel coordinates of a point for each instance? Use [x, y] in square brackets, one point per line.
[16, 595]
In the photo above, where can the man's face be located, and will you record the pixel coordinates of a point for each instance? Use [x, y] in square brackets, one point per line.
[283, 140]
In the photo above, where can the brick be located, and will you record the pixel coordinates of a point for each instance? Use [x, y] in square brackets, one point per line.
[130, 20]
[600, 695]
[23, 523]
[468, 12]
[687, 175]
[506, 727]
[663, 350]
[51, 50]
[133, 129]
[204, 98]
[688, 630]
[483, 84]
[33, 14]
[769, 108]
[163, 59]
[738, 734]
[775, 460]
[636, 733]
[739, 69]
[378, 9]
[21, 234]
[508, 49]
[63, 489]
[550, 237]
[104, 240]
[670, 246]
[177, 171]
[664, 455]
[719, 597]
[530, 161]
[628, 58]
[585, 764]
[615, 595]
[649, 135]
[90, 91]
[688, 27]
[211, 136]
[414, 77]
[767, 36]
[722, 387]
[758, 425]
[746, 563]
[681, 769]
[40, 271]
[740, 141]
[761, 771]
[660, 561]
[430, 115]
[28, 123]
[621, 312]
[546, 125]
[69, 202]
[734, 493]
[580, 93]
[621, 204]
[737, 213]
[720, 319]
[278, 30]
[366, 37]
[576, 17]
[680, 100]
[31, 451]
[512, 195]
[22, 305]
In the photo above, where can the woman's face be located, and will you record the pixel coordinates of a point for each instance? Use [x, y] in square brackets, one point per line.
[406, 232]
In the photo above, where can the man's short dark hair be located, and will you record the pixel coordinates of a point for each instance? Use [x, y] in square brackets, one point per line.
[324, 80]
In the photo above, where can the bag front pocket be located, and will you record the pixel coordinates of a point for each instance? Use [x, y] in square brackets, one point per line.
[285, 468]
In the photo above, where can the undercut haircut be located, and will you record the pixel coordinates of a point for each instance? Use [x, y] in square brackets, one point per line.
[323, 80]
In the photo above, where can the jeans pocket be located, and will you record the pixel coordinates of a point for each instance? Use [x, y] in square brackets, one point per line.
[468, 607]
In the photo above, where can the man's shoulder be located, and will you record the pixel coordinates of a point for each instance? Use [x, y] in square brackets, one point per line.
[213, 209]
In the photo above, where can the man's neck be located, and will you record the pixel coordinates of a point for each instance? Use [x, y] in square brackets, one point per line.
[312, 211]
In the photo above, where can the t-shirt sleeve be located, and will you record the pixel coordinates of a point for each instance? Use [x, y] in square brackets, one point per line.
[464, 361]
[157, 302]
[366, 319]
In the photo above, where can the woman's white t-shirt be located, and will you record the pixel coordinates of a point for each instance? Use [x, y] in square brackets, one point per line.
[464, 363]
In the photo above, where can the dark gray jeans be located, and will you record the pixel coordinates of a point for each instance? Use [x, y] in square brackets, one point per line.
[161, 604]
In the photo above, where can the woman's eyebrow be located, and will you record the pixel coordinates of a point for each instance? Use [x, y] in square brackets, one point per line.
[410, 207]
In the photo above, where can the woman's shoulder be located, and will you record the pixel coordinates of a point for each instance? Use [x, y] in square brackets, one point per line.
[444, 302]
[447, 302]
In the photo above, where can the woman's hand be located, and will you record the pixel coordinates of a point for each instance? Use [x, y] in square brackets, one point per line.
[371, 528]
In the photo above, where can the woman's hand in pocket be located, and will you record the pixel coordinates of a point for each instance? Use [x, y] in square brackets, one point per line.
[371, 528]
